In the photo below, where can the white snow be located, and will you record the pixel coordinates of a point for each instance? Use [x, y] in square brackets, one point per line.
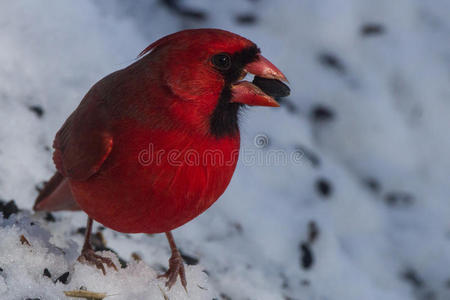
[389, 94]
[23, 267]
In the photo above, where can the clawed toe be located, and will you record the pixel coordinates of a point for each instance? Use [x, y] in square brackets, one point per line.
[176, 267]
[88, 256]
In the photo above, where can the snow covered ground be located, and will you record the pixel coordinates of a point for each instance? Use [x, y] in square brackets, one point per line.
[364, 215]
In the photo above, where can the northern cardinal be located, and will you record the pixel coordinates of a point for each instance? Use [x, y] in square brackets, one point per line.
[115, 156]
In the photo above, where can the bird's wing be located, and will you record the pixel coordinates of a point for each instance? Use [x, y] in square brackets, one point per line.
[84, 141]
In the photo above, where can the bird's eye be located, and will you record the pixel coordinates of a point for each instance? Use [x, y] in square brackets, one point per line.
[222, 61]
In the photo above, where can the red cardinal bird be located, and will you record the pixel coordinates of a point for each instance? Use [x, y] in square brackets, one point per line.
[125, 155]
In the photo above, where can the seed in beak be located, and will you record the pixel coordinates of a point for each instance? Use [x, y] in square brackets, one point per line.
[272, 87]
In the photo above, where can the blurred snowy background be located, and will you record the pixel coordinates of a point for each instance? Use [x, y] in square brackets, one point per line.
[366, 215]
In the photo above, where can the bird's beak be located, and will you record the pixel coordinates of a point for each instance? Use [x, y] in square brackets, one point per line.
[248, 93]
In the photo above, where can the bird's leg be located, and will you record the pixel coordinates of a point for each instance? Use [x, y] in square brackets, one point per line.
[176, 266]
[88, 254]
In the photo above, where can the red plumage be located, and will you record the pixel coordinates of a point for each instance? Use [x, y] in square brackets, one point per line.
[114, 151]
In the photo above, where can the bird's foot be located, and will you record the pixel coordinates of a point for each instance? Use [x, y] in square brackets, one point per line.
[176, 267]
[88, 256]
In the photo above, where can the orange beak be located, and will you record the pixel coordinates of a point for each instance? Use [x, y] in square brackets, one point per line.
[246, 92]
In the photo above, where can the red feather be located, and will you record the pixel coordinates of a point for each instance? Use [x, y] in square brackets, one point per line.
[160, 105]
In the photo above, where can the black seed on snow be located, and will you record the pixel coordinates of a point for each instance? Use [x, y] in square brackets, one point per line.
[37, 109]
[372, 29]
[324, 187]
[286, 102]
[246, 19]
[32, 298]
[188, 259]
[1, 270]
[8, 208]
[398, 198]
[322, 113]
[411, 276]
[98, 241]
[429, 295]
[309, 155]
[63, 278]
[307, 258]
[313, 231]
[373, 184]
[225, 296]
[331, 61]
[49, 217]
[175, 7]
[81, 230]
[47, 273]
[447, 284]
[238, 227]
[162, 269]
[172, 4]
[193, 14]
[284, 281]
[305, 282]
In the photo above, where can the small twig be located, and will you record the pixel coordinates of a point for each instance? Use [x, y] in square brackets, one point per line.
[85, 294]
[24, 240]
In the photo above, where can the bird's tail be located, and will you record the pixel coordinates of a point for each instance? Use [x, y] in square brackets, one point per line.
[56, 195]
